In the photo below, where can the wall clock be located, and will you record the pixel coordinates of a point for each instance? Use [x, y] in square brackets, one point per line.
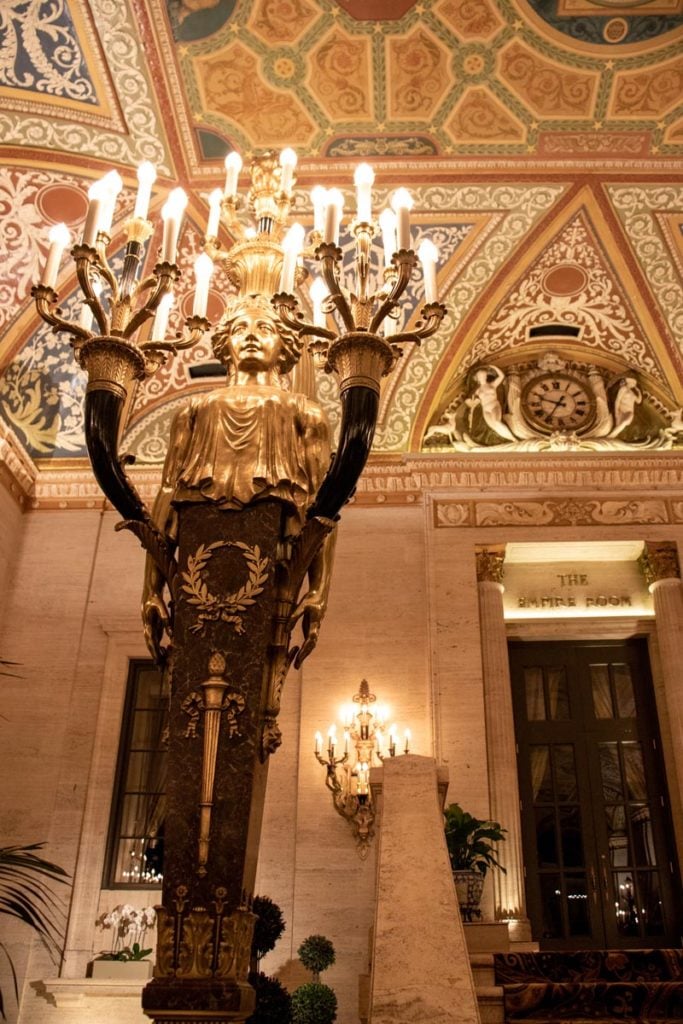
[558, 401]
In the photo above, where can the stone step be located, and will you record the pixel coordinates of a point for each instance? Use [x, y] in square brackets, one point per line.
[483, 969]
[491, 1006]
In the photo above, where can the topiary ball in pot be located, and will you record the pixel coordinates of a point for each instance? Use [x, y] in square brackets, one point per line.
[314, 1003]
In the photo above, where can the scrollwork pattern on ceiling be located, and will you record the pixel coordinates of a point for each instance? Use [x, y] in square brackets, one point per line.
[128, 69]
[40, 52]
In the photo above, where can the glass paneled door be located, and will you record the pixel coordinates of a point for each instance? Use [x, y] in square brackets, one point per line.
[598, 848]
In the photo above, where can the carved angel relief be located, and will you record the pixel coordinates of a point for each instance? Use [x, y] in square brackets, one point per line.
[553, 404]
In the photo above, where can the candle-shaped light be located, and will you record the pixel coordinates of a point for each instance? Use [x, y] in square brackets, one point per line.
[333, 212]
[428, 255]
[407, 739]
[233, 166]
[111, 186]
[319, 293]
[363, 179]
[346, 741]
[59, 239]
[318, 742]
[319, 200]
[387, 223]
[172, 215]
[392, 740]
[214, 213]
[331, 741]
[390, 326]
[161, 318]
[292, 245]
[379, 739]
[203, 269]
[94, 214]
[402, 203]
[147, 175]
[287, 165]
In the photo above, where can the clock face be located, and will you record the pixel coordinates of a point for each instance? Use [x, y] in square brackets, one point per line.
[558, 401]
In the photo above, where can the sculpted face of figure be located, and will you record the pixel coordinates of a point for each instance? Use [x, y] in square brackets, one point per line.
[255, 341]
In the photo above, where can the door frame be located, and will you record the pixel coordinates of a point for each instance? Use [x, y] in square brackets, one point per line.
[598, 879]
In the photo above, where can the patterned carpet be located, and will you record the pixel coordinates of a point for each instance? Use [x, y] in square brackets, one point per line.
[635, 986]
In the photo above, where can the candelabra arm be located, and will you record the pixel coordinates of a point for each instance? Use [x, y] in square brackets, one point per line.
[103, 267]
[196, 327]
[288, 311]
[165, 274]
[88, 266]
[329, 255]
[46, 304]
[405, 261]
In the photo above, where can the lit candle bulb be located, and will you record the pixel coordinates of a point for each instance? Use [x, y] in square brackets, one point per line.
[319, 200]
[147, 175]
[172, 215]
[292, 245]
[402, 203]
[318, 742]
[379, 740]
[203, 269]
[333, 212]
[93, 217]
[59, 239]
[392, 740]
[161, 318]
[363, 179]
[428, 255]
[346, 741]
[387, 223]
[319, 293]
[407, 737]
[214, 213]
[390, 326]
[331, 740]
[111, 186]
[233, 166]
[287, 164]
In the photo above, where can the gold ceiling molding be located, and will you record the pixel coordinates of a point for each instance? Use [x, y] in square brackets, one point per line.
[407, 481]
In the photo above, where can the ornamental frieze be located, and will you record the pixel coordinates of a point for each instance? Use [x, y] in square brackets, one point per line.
[551, 512]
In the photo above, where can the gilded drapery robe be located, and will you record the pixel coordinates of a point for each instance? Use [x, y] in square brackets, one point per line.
[243, 444]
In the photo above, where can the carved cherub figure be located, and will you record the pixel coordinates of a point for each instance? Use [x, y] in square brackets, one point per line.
[486, 381]
[242, 443]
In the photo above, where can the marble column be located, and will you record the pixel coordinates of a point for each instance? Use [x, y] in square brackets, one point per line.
[661, 569]
[508, 887]
[420, 962]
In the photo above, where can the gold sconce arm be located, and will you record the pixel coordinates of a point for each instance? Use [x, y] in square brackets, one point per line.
[46, 303]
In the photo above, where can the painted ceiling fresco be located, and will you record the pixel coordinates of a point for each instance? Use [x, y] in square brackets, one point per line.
[542, 142]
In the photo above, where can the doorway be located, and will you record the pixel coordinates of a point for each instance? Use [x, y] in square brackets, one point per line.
[598, 847]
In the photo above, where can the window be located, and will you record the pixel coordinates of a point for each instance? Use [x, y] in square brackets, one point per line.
[136, 831]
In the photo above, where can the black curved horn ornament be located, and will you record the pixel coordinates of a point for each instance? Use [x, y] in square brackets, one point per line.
[360, 406]
[103, 412]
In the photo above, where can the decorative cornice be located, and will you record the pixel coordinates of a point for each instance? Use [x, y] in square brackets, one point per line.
[484, 484]
[17, 471]
[659, 561]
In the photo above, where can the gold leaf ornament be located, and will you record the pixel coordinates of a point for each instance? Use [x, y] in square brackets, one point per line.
[212, 608]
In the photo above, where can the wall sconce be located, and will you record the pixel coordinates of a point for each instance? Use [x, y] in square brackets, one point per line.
[348, 776]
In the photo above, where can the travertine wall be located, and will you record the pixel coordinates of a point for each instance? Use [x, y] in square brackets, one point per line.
[403, 614]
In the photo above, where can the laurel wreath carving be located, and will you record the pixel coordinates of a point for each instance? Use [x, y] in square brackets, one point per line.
[228, 609]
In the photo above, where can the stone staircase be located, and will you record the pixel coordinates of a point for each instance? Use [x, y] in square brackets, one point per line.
[630, 986]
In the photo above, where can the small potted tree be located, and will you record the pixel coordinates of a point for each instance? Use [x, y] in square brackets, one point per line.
[273, 1001]
[314, 1002]
[471, 850]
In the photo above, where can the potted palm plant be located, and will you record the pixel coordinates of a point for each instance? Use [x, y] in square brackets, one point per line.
[472, 852]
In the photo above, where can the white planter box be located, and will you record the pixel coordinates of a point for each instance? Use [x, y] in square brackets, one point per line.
[122, 970]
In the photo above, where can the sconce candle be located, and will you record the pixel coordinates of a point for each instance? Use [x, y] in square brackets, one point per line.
[318, 293]
[335, 205]
[214, 213]
[147, 175]
[203, 269]
[172, 214]
[402, 203]
[233, 166]
[363, 179]
[292, 245]
[92, 220]
[428, 254]
[161, 318]
[59, 239]
[387, 223]
[111, 186]
[287, 163]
